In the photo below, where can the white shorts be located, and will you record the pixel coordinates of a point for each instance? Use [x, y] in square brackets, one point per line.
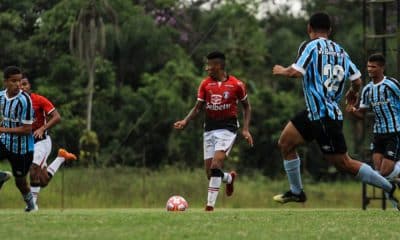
[218, 140]
[42, 151]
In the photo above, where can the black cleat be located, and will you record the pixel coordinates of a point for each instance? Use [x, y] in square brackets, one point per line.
[290, 197]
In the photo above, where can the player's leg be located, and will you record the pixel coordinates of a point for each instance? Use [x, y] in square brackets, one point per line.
[62, 156]
[213, 186]
[390, 156]
[291, 137]
[215, 179]
[224, 140]
[38, 177]
[333, 145]
[217, 144]
[365, 173]
[20, 164]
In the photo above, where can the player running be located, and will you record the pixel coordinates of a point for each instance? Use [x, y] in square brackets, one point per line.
[324, 66]
[46, 116]
[219, 95]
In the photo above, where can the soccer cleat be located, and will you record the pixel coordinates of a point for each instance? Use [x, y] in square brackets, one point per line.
[66, 155]
[35, 208]
[290, 197]
[4, 176]
[229, 186]
[393, 200]
[209, 209]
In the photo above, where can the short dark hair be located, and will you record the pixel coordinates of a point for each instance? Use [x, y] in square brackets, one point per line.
[11, 70]
[377, 57]
[320, 21]
[216, 55]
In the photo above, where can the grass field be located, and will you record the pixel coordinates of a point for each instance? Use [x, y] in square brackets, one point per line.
[196, 224]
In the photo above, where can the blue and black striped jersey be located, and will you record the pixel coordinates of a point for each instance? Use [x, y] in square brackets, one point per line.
[384, 100]
[15, 112]
[324, 65]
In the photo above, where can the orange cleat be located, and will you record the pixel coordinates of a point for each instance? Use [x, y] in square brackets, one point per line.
[66, 155]
[229, 186]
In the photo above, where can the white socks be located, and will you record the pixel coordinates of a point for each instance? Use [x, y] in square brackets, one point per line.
[213, 188]
[55, 165]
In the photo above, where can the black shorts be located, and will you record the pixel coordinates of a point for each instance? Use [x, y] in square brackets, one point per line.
[388, 145]
[20, 163]
[327, 132]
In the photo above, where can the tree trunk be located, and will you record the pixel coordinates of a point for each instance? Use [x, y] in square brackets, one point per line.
[90, 89]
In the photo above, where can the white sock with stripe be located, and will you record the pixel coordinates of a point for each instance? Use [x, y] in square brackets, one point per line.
[213, 188]
[55, 165]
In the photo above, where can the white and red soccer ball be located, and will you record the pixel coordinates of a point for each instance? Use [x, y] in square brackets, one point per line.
[176, 203]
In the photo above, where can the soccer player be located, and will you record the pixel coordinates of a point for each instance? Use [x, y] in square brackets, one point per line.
[324, 66]
[16, 138]
[219, 95]
[46, 116]
[382, 96]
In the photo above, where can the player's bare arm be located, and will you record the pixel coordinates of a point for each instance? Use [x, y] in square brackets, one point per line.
[352, 93]
[22, 130]
[53, 118]
[246, 121]
[181, 124]
[359, 113]
[286, 71]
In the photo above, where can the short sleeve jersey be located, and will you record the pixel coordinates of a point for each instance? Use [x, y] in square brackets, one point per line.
[383, 99]
[324, 65]
[42, 107]
[221, 100]
[15, 112]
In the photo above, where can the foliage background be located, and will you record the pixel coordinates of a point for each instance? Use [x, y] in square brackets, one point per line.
[153, 62]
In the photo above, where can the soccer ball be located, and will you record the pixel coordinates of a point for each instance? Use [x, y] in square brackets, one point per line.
[176, 203]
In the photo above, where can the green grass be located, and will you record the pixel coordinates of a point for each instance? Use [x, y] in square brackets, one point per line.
[140, 188]
[196, 224]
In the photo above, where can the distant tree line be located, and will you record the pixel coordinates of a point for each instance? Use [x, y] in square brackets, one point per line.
[140, 70]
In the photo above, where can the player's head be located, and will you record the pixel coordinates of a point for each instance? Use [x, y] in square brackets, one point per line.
[378, 58]
[25, 84]
[12, 79]
[376, 65]
[215, 64]
[319, 22]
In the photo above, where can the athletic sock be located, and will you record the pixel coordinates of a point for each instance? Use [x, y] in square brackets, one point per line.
[292, 168]
[35, 193]
[55, 165]
[227, 178]
[368, 175]
[213, 188]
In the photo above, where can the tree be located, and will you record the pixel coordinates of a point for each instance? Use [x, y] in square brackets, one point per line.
[87, 41]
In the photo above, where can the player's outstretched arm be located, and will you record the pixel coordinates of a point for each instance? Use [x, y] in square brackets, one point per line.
[181, 124]
[286, 71]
